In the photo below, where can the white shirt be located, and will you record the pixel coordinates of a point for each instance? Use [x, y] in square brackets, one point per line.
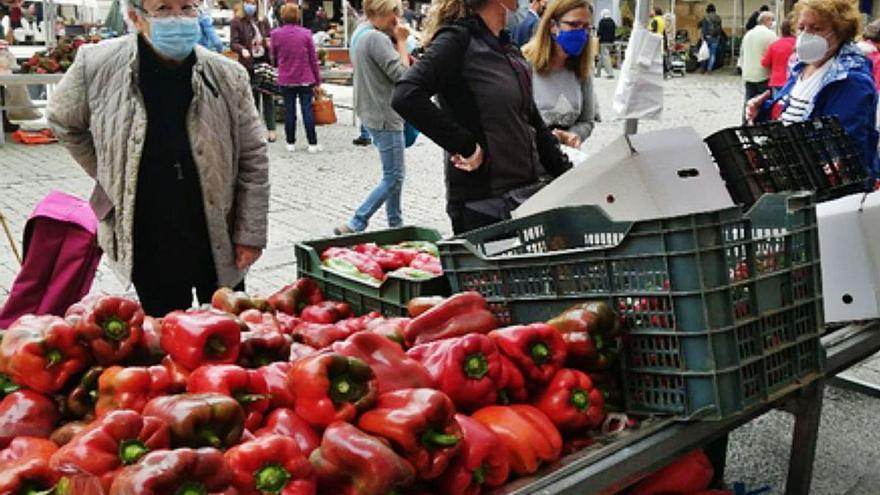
[803, 95]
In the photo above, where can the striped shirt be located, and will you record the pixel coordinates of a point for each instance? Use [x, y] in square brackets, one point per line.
[802, 96]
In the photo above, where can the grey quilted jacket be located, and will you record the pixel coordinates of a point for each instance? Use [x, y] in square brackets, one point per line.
[97, 112]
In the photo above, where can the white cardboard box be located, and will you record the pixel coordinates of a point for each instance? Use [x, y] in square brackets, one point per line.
[849, 246]
[651, 175]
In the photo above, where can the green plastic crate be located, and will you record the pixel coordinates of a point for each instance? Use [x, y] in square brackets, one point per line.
[723, 309]
[392, 296]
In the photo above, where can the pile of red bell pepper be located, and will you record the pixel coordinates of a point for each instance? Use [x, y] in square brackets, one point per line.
[414, 260]
[293, 394]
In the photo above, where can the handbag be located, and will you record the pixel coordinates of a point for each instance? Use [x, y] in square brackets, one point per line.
[323, 109]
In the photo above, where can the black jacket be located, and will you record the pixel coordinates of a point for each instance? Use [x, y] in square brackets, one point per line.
[485, 93]
[607, 30]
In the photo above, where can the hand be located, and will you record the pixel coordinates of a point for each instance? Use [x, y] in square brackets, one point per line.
[317, 90]
[753, 106]
[469, 164]
[401, 33]
[245, 53]
[245, 256]
[567, 138]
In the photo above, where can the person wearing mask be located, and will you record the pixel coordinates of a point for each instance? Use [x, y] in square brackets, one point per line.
[607, 32]
[249, 38]
[754, 45]
[380, 58]
[169, 132]
[831, 77]
[209, 38]
[753, 19]
[561, 79]
[711, 31]
[777, 57]
[497, 147]
[298, 75]
[523, 31]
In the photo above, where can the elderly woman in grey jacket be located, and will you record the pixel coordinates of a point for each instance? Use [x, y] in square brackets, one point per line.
[562, 77]
[170, 133]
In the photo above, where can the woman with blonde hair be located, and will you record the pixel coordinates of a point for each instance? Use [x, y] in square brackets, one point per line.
[249, 38]
[562, 78]
[831, 77]
[498, 149]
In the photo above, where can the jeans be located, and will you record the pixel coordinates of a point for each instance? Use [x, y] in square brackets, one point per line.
[268, 107]
[713, 51]
[390, 145]
[305, 95]
[605, 60]
[364, 133]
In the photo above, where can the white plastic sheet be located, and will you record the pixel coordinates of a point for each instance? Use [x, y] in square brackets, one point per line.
[639, 93]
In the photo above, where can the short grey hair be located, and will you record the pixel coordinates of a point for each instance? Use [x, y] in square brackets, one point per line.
[762, 18]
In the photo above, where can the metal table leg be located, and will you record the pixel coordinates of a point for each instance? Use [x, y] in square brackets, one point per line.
[716, 451]
[807, 410]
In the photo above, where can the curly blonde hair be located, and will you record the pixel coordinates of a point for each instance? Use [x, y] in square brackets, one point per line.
[539, 50]
[445, 12]
[842, 15]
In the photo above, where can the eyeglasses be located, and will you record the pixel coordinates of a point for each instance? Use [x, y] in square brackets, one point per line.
[575, 25]
[189, 10]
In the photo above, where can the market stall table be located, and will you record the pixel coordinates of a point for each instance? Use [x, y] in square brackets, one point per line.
[24, 80]
[618, 465]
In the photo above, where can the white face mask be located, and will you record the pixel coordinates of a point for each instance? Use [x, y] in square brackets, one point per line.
[811, 47]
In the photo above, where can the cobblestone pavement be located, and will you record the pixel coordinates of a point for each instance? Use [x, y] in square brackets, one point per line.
[313, 193]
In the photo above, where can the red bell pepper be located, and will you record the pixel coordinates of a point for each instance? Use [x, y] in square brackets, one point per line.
[299, 350]
[332, 387]
[481, 463]
[246, 386]
[362, 262]
[277, 378]
[180, 472]
[286, 323]
[236, 302]
[388, 260]
[326, 312]
[24, 467]
[688, 474]
[428, 263]
[512, 388]
[109, 444]
[149, 349]
[461, 314]
[420, 424]
[320, 335]
[199, 420]
[198, 337]
[259, 348]
[41, 352]
[77, 310]
[131, 388]
[419, 305]
[111, 328]
[356, 324]
[527, 435]
[62, 435]
[571, 401]
[467, 369]
[257, 321]
[271, 464]
[80, 402]
[390, 328]
[351, 462]
[26, 413]
[285, 422]
[394, 370]
[538, 350]
[291, 299]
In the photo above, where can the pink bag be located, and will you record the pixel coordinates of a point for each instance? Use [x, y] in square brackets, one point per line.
[61, 256]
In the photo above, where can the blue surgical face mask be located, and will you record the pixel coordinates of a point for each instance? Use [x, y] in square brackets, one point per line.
[250, 9]
[572, 42]
[174, 37]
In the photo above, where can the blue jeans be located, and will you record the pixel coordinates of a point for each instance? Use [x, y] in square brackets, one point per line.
[713, 51]
[364, 133]
[305, 95]
[390, 145]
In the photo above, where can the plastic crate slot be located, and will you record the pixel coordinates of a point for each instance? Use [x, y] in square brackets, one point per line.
[805, 323]
[661, 392]
[655, 351]
[777, 331]
[752, 381]
[781, 369]
[748, 340]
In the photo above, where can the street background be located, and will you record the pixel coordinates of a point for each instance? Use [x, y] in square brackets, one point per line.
[313, 193]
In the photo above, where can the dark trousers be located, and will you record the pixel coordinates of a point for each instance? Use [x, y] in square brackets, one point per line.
[753, 89]
[268, 107]
[305, 95]
[464, 219]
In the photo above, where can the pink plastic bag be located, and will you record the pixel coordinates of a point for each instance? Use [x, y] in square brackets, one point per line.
[61, 256]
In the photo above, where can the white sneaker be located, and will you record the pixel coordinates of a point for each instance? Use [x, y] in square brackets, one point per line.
[291, 147]
[314, 148]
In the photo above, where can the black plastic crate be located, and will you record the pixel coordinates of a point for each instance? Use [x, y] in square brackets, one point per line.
[811, 156]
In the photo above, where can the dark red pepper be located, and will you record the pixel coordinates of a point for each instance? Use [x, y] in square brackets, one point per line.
[538, 350]
[111, 328]
[277, 378]
[259, 348]
[394, 370]
[332, 387]
[462, 314]
[271, 464]
[291, 299]
[199, 420]
[482, 462]
[26, 413]
[132, 387]
[512, 388]
[24, 467]
[246, 386]
[326, 312]
[287, 423]
[236, 302]
[320, 335]
[571, 401]
[179, 472]
[198, 337]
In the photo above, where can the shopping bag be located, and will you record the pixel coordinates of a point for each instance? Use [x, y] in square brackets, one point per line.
[323, 109]
[703, 53]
